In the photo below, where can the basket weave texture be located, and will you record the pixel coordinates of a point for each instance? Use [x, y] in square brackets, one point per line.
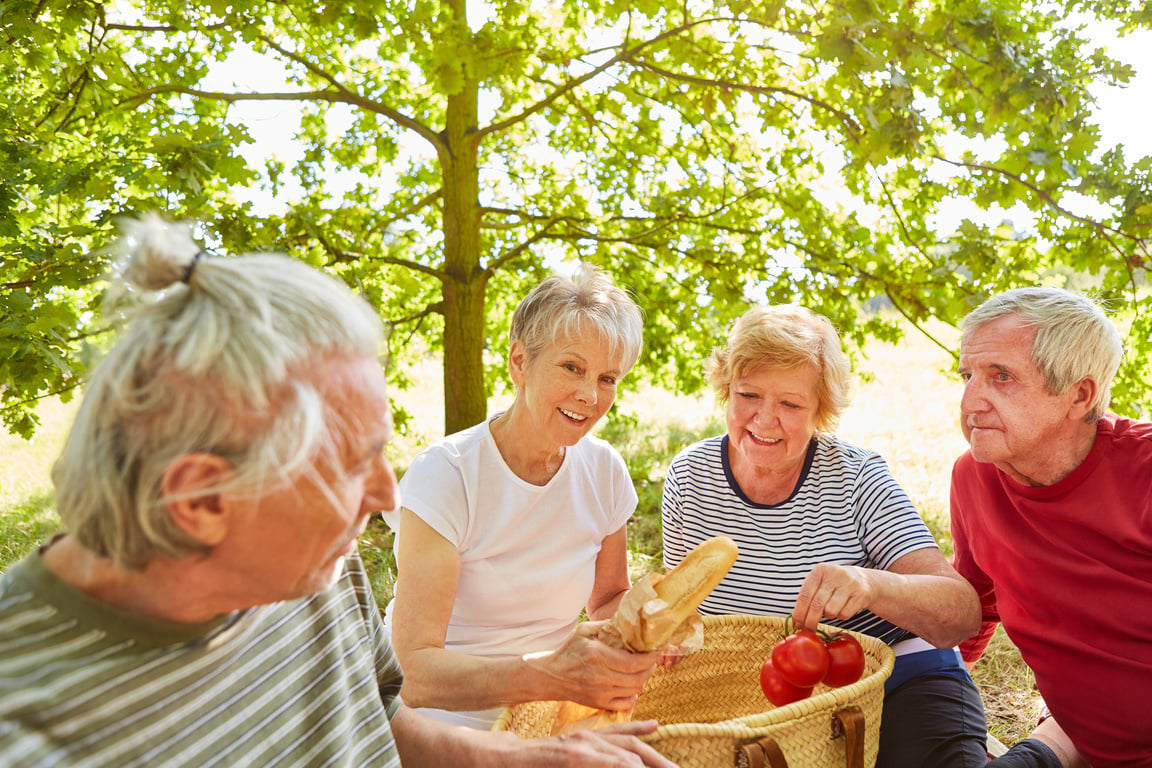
[710, 704]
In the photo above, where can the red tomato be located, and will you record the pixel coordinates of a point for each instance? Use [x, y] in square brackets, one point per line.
[845, 660]
[801, 658]
[778, 690]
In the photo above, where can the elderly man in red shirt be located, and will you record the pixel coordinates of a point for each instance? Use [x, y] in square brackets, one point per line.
[1052, 522]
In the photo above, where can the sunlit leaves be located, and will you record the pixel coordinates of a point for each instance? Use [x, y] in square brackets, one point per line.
[708, 154]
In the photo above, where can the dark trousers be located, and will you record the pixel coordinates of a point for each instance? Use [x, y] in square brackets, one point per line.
[1028, 753]
[933, 721]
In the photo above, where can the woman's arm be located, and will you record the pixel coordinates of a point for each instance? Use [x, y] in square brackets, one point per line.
[921, 593]
[612, 579]
[582, 669]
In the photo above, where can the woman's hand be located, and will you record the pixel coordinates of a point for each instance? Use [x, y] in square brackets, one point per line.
[832, 592]
[587, 671]
[920, 592]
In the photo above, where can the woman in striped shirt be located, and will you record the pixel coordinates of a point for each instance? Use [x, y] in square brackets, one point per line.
[825, 532]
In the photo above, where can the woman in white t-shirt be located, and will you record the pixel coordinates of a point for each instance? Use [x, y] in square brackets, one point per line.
[510, 528]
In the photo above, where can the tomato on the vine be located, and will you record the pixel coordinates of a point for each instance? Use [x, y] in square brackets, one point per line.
[778, 690]
[845, 660]
[801, 658]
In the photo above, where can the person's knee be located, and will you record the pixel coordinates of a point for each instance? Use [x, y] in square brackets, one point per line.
[1029, 753]
[933, 721]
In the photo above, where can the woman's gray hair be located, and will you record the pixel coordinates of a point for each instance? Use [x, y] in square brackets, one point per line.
[1075, 339]
[221, 356]
[784, 337]
[567, 306]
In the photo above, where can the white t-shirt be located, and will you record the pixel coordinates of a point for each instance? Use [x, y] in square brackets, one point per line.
[527, 552]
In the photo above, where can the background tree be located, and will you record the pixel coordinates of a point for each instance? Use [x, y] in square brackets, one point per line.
[708, 154]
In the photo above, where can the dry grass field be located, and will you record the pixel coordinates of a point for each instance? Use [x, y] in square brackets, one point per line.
[905, 407]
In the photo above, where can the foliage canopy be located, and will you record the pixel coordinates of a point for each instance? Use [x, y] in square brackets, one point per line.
[707, 154]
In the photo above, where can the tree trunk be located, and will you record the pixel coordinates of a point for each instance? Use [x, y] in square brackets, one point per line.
[465, 280]
[465, 401]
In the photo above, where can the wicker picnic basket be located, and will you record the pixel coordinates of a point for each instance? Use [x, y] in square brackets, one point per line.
[712, 712]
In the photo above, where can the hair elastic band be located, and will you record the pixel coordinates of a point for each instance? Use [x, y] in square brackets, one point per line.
[192, 265]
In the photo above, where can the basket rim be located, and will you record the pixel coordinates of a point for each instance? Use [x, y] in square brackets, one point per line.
[829, 701]
[751, 726]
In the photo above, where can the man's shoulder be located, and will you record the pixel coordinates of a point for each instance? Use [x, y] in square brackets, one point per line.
[1119, 428]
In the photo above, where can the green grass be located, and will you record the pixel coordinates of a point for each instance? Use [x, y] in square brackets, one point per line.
[906, 411]
[24, 525]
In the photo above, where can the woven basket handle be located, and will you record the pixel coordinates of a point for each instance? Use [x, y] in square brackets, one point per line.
[848, 722]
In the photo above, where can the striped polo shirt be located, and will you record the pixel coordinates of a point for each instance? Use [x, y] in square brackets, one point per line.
[309, 682]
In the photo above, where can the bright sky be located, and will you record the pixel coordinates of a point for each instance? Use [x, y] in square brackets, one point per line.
[1125, 114]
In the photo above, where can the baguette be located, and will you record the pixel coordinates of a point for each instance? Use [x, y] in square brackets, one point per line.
[689, 583]
[657, 608]
[650, 615]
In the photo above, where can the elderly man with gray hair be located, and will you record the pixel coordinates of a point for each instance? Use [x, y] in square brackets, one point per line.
[207, 605]
[1052, 522]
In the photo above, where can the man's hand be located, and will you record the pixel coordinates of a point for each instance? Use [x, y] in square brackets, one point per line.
[1051, 734]
[434, 744]
[609, 747]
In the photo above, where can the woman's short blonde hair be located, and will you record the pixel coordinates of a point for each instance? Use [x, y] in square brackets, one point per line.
[784, 337]
[564, 305]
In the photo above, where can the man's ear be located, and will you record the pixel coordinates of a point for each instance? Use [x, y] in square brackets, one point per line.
[203, 516]
[1083, 395]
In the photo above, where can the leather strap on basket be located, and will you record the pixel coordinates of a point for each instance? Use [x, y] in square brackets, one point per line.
[764, 753]
[849, 723]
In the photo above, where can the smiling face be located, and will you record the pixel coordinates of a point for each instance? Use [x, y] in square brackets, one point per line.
[771, 419]
[566, 388]
[292, 542]
[1007, 414]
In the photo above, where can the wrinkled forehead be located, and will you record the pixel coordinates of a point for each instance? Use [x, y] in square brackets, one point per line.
[356, 397]
[1000, 342]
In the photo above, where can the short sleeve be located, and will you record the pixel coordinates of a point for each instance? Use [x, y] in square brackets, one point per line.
[433, 489]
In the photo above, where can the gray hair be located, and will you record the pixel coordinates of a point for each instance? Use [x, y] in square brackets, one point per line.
[221, 356]
[785, 336]
[562, 305]
[1074, 338]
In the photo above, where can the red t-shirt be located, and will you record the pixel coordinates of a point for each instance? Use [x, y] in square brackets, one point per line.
[1067, 568]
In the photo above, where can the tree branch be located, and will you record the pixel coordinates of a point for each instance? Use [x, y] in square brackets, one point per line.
[351, 97]
[1106, 231]
[844, 117]
[624, 54]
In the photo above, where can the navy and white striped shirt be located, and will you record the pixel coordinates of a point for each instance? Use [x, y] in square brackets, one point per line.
[847, 509]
